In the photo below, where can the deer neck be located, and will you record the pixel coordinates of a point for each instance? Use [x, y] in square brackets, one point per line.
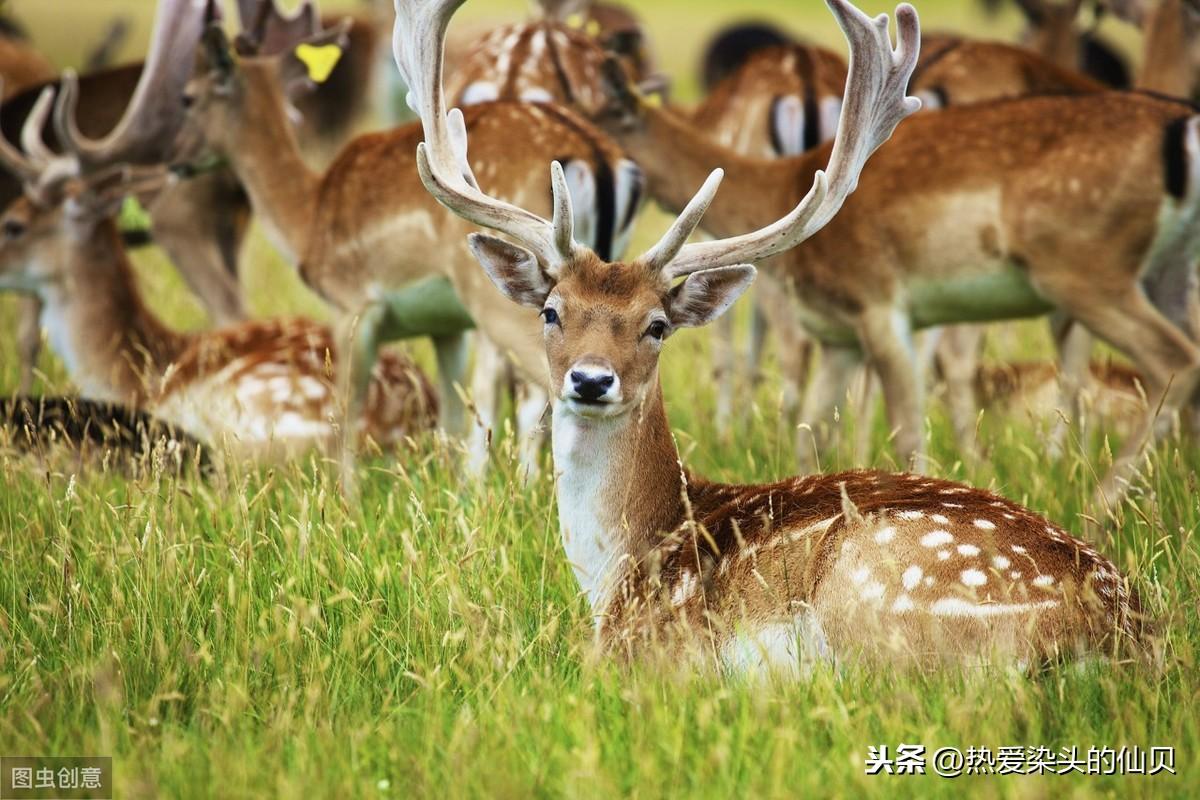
[1167, 65]
[677, 159]
[620, 486]
[112, 346]
[282, 187]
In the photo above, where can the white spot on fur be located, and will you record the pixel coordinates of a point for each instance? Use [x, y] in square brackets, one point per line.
[958, 607]
[789, 647]
[985, 525]
[968, 550]
[860, 576]
[911, 514]
[872, 591]
[911, 577]
[903, 603]
[974, 577]
[1043, 581]
[885, 535]
[1000, 562]
[943, 555]
[940, 519]
[936, 538]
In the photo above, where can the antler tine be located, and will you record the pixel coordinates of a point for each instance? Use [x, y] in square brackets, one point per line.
[663, 253]
[13, 159]
[31, 132]
[154, 115]
[418, 43]
[875, 102]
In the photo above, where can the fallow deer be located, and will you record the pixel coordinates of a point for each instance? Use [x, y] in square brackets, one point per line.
[370, 241]
[785, 100]
[263, 389]
[200, 223]
[554, 59]
[976, 213]
[833, 567]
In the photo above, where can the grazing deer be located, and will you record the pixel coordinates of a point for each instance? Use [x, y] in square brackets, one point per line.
[785, 100]
[367, 237]
[976, 213]
[200, 223]
[829, 567]
[263, 388]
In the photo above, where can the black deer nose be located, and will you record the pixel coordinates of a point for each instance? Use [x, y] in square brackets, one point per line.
[591, 386]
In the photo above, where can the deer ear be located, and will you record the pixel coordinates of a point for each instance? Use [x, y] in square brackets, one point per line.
[707, 294]
[513, 269]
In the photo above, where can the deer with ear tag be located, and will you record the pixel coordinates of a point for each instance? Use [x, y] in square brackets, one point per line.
[865, 563]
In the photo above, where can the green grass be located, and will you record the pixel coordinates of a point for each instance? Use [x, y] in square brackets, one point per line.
[255, 635]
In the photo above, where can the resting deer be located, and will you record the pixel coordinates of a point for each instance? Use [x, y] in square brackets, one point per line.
[201, 223]
[862, 563]
[366, 236]
[261, 388]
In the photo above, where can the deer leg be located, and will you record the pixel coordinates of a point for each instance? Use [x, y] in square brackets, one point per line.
[828, 387]
[1170, 365]
[886, 336]
[775, 304]
[758, 341]
[1074, 343]
[358, 339]
[200, 223]
[486, 376]
[29, 340]
[957, 358]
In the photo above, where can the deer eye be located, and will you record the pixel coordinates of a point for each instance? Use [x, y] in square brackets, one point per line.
[13, 229]
[550, 315]
[188, 100]
[656, 330]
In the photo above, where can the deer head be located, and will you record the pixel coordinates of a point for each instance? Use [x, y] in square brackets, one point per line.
[66, 197]
[605, 322]
[275, 60]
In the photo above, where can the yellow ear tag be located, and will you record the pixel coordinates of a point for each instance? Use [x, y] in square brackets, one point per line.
[319, 60]
[593, 28]
[575, 21]
[654, 100]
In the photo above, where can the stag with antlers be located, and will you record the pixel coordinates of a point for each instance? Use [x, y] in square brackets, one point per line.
[859, 563]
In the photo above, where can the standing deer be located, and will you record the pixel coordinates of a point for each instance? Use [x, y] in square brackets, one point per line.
[261, 388]
[861, 564]
[977, 213]
[366, 236]
[786, 100]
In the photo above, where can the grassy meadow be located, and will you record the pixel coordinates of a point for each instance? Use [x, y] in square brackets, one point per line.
[256, 634]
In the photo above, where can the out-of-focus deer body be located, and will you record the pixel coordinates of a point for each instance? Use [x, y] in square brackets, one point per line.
[263, 388]
[1171, 49]
[364, 229]
[837, 567]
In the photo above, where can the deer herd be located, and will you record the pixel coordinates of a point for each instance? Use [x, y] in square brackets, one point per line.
[497, 222]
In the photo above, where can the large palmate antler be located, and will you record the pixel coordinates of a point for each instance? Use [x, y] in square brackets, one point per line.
[154, 116]
[267, 31]
[418, 44]
[30, 165]
[874, 104]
